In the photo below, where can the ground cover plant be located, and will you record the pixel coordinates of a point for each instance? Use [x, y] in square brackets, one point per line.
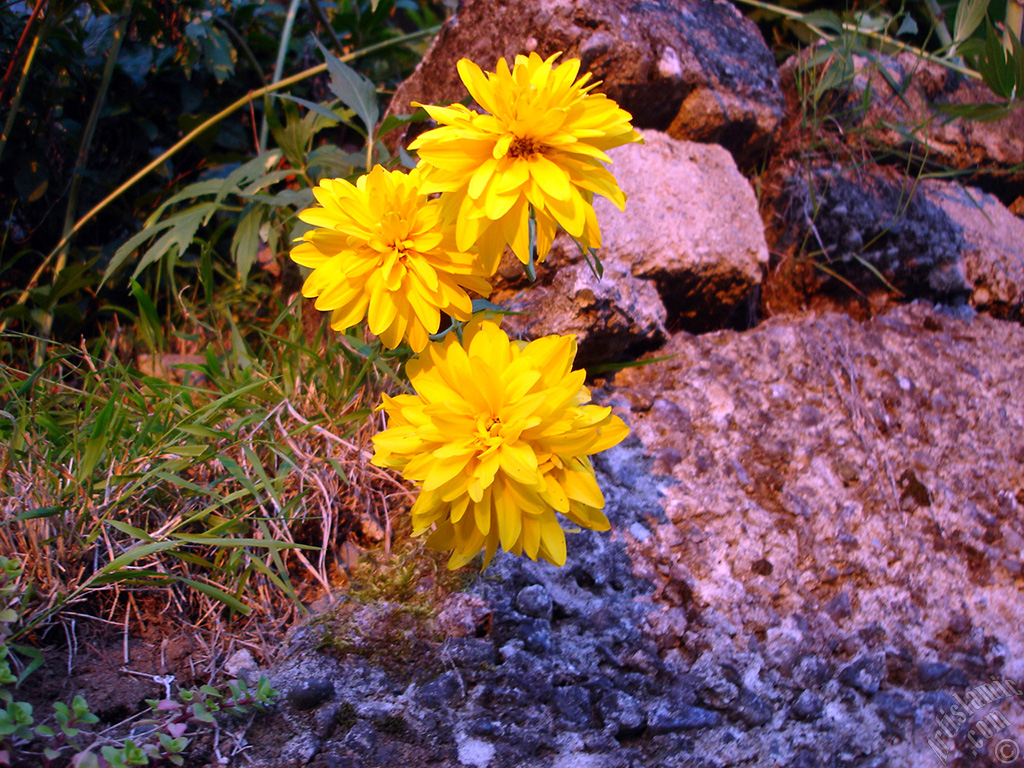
[176, 419]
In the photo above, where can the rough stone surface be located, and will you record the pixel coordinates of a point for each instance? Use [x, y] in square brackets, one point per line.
[862, 223]
[906, 118]
[688, 252]
[928, 238]
[699, 70]
[993, 246]
[770, 473]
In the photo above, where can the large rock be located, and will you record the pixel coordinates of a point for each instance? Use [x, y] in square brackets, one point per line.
[897, 102]
[877, 229]
[855, 488]
[845, 520]
[688, 252]
[993, 246]
[697, 69]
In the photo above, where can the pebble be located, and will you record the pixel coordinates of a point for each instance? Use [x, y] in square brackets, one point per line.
[808, 706]
[534, 601]
[310, 692]
[683, 717]
[864, 673]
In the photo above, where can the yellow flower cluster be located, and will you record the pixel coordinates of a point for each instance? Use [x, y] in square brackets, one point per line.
[498, 435]
[541, 147]
[498, 439]
[378, 250]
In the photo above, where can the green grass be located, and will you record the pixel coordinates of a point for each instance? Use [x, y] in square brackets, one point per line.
[227, 475]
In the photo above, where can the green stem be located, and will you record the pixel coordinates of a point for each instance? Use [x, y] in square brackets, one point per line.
[16, 99]
[282, 50]
[240, 42]
[847, 27]
[322, 18]
[71, 212]
[937, 17]
[259, 93]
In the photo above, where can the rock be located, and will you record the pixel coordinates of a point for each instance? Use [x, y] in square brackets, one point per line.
[622, 713]
[805, 758]
[242, 666]
[439, 692]
[907, 119]
[698, 70]
[874, 228]
[808, 706]
[933, 675]
[893, 707]
[361, 737]
[310, 692]
[683, 717]
[572, 703]
[913, 390]
[614, 318]
[991, 252]
[689, 251]
[753, 710]
[461, 616]
[534, 601]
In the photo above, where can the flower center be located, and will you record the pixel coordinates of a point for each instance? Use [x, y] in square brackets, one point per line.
[522, 147]
[489, 428]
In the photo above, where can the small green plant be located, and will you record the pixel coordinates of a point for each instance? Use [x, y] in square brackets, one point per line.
[159, 739]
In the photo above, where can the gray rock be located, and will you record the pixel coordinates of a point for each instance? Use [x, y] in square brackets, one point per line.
[439, 692]
[812, 672]
[893, 707]
[361, 737]
[808, 706]
[572, 703]
[805, 758]
[752, 709]
[991, 253]
[698, 70]
[864, 673]
[622, 713]
[310, 692]
[682, 717]
[869, 221]
[534, 601]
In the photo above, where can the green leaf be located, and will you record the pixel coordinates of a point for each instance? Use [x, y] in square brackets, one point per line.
[996, 71]
[969, 15]
[391, 122]
[34, 514]
[593, 370]
[822, 19]
[131, 530]
[199, 713]
[97, 443]
[183, 227]
[353, 90]
[149, 320]
[245, 243]
[320, 109]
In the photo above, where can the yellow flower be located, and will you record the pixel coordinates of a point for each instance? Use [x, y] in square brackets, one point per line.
[379, 250]
[542, 145]
[497, 440]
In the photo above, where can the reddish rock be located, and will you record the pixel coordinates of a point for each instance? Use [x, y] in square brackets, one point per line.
[894, 102]
[699, 69]
[993, 246]
[688, 251]
[849, 486]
